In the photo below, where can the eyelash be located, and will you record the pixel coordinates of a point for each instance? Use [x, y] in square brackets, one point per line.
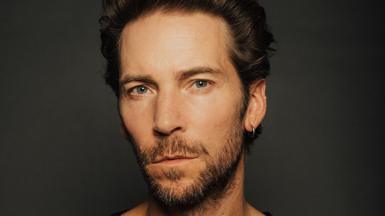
[131, 90]
[207, 83]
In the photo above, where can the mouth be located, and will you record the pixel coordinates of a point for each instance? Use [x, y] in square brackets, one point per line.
[173, 159]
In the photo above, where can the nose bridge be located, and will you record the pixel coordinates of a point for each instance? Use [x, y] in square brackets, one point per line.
[167, 111]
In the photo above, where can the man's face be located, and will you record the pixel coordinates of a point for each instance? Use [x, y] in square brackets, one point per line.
[180, 103]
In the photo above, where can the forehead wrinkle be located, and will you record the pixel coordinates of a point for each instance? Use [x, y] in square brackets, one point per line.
[221, 33]
[147, 27]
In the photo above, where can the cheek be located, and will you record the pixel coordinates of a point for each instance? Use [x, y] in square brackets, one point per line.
[213, 117]
[137, 121]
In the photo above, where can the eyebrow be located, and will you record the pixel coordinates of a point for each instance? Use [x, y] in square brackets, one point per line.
[182, 75]
[137, 78]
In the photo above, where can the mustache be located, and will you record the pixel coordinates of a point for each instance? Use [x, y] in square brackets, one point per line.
[172, 146]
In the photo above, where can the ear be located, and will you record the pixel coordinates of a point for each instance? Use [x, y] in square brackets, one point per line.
[256, 108]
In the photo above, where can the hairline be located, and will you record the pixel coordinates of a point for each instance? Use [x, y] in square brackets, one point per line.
[230, 45]
[228, 34]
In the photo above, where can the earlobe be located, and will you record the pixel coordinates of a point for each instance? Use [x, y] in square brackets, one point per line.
[256, 107]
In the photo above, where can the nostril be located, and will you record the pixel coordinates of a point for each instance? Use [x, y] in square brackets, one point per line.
[163, 133]
[158, 133]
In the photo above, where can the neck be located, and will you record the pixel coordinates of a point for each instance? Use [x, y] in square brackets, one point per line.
[230, 202]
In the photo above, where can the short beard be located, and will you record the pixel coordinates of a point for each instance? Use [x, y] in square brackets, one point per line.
[211, 184]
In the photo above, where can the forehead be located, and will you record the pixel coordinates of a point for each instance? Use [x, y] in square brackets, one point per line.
[160, 43]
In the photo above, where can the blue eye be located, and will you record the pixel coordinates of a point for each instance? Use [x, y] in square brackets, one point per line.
[139, 90]
[201, 83]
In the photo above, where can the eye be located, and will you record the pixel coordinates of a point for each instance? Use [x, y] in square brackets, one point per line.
[201, 83]
[138, 90]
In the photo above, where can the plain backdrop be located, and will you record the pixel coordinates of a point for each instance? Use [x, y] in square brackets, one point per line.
[321, 153]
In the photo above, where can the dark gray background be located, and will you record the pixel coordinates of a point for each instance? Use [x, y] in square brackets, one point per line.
[62, 153]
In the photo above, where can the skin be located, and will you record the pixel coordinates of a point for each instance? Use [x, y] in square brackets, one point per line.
[177, 80]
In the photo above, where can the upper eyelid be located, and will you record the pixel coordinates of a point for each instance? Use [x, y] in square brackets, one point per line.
[145, 80]
[134, 84]
[137, 86]
[202, 75]
[206, 80]
[130, 90]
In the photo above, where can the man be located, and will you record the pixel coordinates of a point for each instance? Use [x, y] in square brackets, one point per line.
[189, 76]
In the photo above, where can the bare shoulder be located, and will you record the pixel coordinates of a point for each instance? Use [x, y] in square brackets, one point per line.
[139, 210]
[252, 211]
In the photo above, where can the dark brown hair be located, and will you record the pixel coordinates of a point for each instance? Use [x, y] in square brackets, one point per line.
[246, 20]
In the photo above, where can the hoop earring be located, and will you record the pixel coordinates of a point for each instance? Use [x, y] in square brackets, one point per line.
[252, 133]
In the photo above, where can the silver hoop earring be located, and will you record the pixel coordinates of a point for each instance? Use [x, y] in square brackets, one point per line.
[251, 134]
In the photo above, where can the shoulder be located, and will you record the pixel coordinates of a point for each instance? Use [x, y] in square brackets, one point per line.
[136, 211]
[252, 211]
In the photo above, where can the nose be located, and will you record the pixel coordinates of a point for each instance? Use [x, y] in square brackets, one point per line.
[167, 115]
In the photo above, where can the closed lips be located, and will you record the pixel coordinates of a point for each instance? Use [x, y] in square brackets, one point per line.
[177, 157]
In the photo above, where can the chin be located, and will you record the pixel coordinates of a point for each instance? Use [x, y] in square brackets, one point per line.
[176, 189]
[178, 195]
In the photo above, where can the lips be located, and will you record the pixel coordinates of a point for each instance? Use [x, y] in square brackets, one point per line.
[173, 158]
